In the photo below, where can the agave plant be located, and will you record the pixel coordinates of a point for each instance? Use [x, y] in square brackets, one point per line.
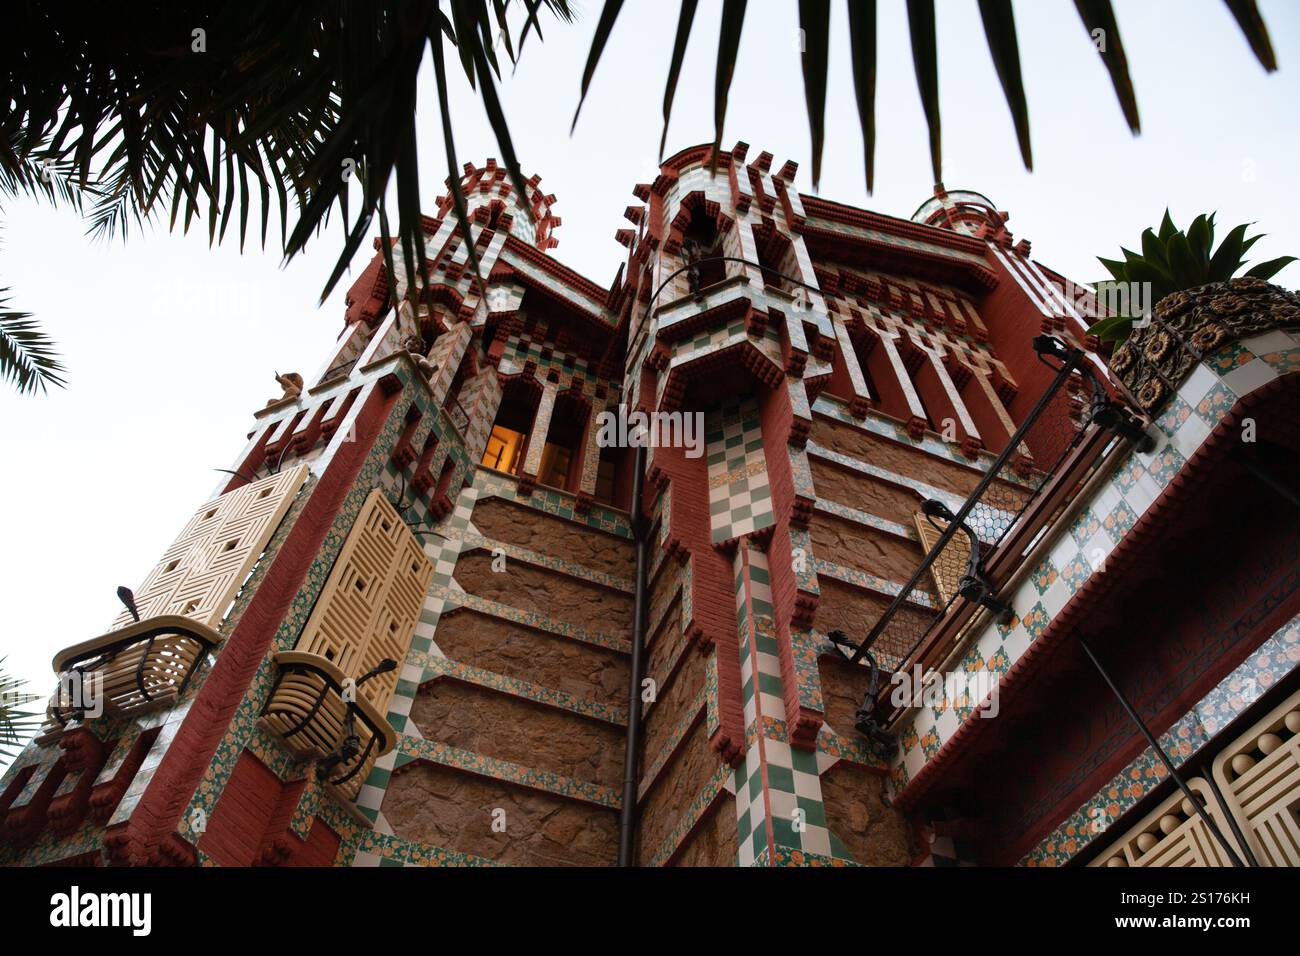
[16, 724]
[1174, 261]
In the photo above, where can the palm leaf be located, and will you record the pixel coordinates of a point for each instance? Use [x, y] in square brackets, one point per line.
[815, 25]
[28, 358]
[1099, 20]
[684, 21]
[862, 40]
[16, 723]
[1248, 17]
[604, 26]
[1266, 270]
[1000, 30]
[925, 57]
[733, 20]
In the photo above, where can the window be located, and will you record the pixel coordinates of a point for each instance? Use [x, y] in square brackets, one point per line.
[514, 421]
[504, 448]
[605, 481]
[555, 465]
[562, 454]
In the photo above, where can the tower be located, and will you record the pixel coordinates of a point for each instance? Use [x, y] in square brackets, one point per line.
[811, 505]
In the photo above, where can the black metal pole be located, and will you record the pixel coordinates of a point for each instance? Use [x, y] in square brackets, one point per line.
[1173, 771]
[1072, 361]
[627, 815]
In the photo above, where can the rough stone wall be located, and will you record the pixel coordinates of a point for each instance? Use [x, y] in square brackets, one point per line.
[873, 833]
[666, 643]
[866, 549]
[504, 521]
[546, 592]
[510, 728]
[444, 807]
[676, 699]
[503, 647]
[843, 687]
[854, 611]
[874, 497]
[482, 717]
[714, 842]
[892, 456]
[679, 784]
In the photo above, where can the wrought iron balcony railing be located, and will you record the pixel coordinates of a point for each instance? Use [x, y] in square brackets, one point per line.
[144, 665]
[316, 710]
[338, 371]
[1050, 456]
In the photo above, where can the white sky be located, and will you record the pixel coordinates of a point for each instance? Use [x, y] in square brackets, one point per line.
[170, 346]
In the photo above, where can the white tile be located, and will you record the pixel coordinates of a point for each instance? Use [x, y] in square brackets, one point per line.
[782, 804]
[947, 724]
[1143, 492]
[1016, 643]
[1190, 435]
[816, 839]
[807, 785]
[1275, 341]
[1249, 377]
[1058, 594]
[1063, 551]
[1105, 501]
[1198, 383]
[1097, 549]
[778, 752]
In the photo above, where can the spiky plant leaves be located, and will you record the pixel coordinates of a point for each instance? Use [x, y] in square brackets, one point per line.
[1173, 261]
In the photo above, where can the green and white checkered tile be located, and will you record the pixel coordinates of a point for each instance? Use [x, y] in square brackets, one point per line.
[740, 494]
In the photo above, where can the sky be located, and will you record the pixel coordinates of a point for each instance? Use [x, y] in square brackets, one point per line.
[171, 346]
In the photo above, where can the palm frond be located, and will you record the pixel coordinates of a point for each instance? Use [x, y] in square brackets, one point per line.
[733, 20]
[862, 40]
[1000, 30]
[925, 58]
[16, 723]
[1098, 17]
[684, 21]
[815, 33]
[28, 358]
[190, 113]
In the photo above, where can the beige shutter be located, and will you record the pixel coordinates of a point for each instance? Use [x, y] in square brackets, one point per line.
[371, 602]
[200, 574]
[1259, 775]
[947, 569]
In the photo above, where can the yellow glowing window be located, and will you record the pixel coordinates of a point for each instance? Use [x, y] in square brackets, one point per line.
[504, 447]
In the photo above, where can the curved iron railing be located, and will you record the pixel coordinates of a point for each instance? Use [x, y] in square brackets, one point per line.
[955, 570]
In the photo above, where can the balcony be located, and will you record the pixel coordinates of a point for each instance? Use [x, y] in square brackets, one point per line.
[316, 710]
[137, 668]
[974, 551]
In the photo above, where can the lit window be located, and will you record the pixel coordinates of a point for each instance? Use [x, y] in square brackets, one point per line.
[504, 447]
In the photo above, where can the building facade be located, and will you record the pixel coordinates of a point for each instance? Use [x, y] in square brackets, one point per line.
[863, 593]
